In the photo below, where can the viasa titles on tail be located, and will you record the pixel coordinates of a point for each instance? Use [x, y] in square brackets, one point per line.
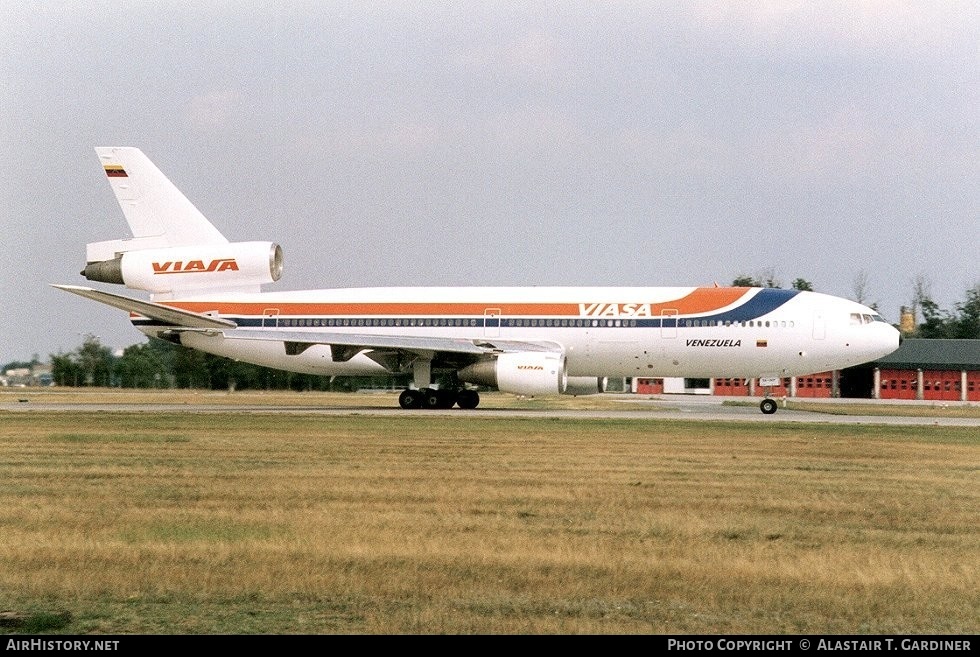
[205, 293]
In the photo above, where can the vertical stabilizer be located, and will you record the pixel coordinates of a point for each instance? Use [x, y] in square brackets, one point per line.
[158, 214]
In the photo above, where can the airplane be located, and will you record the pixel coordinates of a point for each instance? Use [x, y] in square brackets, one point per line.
[205, 293]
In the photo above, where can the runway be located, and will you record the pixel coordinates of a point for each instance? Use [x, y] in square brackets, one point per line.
[618, 407]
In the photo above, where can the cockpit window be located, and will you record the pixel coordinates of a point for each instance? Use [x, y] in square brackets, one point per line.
[858, 319]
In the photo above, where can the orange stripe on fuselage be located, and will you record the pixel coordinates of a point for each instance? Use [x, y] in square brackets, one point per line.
[701, 300]
[397, 309]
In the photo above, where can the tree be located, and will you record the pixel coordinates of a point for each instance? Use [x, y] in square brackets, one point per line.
[188, 366]
[803, 285]
[65, 370]
[937, 323]
[766, 278]
[921, 293]
[968, 321]
[744, 280]
[142, 366]
[95, 361]
[860, 287]
[771, 280]
[91, 364]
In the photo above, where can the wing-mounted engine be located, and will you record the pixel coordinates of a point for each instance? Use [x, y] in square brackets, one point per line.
[238, 266]
[521, 373]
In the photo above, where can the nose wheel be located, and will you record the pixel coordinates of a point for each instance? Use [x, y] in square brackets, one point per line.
[768, 406]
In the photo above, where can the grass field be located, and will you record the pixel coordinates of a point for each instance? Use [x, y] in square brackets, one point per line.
[159, 522]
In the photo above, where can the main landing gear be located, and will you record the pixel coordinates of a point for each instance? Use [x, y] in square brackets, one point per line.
[422, 396]
[768, 406]
[433, 398]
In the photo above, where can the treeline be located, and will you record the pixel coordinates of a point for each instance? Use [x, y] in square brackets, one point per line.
[161, 364]
[963, 323]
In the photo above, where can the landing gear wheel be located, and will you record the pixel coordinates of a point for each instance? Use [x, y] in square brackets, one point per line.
[768, 406]
[447, 398]
[430, 398]
[437, 399]
[468, 399]
[410, 399]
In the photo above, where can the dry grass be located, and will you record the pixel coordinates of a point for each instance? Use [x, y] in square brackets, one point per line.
[250, 522]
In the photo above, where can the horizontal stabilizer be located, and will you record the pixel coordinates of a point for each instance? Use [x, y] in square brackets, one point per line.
[156, 311]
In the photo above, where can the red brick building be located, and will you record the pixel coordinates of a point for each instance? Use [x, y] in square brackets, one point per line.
[940, 370]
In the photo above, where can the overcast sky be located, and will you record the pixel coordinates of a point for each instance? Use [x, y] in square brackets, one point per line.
[511, 143]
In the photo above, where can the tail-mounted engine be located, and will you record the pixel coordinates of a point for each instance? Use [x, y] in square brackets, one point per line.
[240, 265]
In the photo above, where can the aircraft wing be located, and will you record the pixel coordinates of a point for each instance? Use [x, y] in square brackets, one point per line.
[157, 311]
[388, 350]
[383, 348]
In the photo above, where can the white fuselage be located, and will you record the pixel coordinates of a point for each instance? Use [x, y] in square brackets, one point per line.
[611, 332]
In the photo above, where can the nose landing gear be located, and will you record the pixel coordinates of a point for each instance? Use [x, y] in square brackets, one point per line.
[768, 406]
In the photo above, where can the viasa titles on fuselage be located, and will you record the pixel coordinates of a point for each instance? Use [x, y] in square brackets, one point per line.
[205, 293]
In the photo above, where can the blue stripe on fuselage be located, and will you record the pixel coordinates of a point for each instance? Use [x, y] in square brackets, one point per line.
[763, 303]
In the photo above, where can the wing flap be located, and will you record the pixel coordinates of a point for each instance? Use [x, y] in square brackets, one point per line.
[350, 344]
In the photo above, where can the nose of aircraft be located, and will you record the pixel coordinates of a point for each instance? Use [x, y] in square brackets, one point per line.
[891, 339]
